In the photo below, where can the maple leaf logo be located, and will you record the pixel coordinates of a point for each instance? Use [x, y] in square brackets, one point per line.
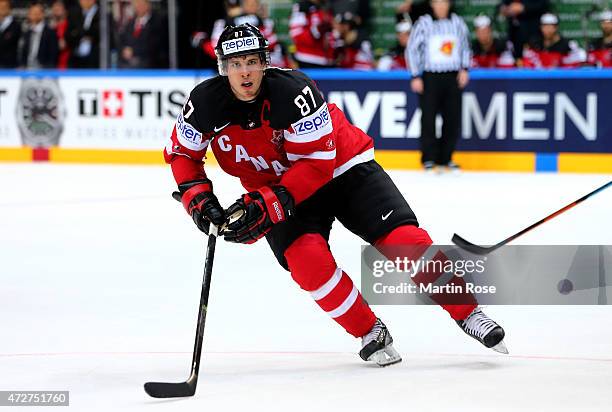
[447, 47]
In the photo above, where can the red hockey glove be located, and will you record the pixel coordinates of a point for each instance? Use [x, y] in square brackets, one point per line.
[201, 203]
[258, 211]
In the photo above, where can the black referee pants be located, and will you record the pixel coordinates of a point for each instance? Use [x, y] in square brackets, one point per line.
[441, 94]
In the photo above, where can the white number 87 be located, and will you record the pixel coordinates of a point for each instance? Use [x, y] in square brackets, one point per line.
[302, 104]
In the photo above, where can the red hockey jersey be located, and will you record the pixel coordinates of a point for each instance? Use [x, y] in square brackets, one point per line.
[600, 53]
[563, 53]
[499, 55]
[287, 136]
[310, 27]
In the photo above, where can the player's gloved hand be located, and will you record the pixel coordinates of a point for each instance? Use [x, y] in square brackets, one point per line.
[201, 203]
[256, 212]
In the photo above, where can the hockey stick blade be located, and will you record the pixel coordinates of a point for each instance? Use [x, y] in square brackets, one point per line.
[483, 250]
[169, 390]
[470, 247]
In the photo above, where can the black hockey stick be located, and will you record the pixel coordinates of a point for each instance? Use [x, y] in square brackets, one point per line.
[483, 250]
[188, 388]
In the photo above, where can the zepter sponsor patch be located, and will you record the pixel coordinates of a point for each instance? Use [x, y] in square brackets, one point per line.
[188, 136]
[313, 127]
[239, 45]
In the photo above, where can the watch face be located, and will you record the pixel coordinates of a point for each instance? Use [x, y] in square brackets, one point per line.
[40, 112]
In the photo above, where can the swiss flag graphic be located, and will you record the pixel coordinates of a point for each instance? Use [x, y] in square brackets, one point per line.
[112, 103]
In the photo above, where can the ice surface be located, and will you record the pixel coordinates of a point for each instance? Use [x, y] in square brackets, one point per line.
[101, 272]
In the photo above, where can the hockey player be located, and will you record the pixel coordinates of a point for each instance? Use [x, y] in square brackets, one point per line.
[303, 165]
[600, 49]
[395, 58]
[247, 11]
[550, 49]
[489, 51]
[310, 27]
[353, 50]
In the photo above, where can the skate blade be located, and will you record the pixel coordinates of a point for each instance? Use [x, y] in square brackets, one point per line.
[385, 357]
[501, 348]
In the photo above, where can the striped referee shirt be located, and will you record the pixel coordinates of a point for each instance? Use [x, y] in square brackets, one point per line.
[439, 45]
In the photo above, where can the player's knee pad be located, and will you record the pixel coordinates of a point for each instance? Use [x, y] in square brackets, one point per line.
[405, 235]
[310, 261]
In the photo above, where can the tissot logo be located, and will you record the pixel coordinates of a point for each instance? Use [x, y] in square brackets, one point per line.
[118, 103]
[112, 103]
[88, 102]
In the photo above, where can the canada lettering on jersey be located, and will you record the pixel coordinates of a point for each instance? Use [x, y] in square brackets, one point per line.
[297, 140]
[259, 162]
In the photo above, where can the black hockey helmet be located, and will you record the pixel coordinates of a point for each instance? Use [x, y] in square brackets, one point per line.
[239, 41]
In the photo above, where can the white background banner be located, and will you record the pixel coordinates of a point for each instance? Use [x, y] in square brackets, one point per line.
[90, 112]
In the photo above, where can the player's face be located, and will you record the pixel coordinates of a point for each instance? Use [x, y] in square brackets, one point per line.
[548, 30]
[403, 37]
[484, 34]
[606, 27]
[245, 74]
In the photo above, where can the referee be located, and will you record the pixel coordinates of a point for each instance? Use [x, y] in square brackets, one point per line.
[439, 55]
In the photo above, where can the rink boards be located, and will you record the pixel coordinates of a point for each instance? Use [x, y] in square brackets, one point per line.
[511, 120]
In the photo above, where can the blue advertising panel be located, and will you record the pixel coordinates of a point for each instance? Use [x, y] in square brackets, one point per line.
[508, 112]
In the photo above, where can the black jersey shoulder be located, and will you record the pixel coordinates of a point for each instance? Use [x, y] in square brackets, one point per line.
[211, 101]
[282, 88]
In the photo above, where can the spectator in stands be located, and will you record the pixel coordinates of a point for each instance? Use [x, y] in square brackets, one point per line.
[358, 8]
[523, 18]
[353, 50]
[142, 41]
[395, 59]
[487, 50]
[208, 43]
[83, 35]
[550, 49]
[414, 9]
[252, 12]
[440, 56]
[39, 48]
[279, 56]
[600, 50]
[59, 23]
[10, 33]
[310, 27]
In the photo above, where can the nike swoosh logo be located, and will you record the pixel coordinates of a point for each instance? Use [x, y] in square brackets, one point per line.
[218, 129]
[384, 217]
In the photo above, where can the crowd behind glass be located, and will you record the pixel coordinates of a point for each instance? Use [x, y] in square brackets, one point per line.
[334, 33]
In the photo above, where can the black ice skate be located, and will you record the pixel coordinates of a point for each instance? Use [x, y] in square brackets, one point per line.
[377, 346]
[484, 330]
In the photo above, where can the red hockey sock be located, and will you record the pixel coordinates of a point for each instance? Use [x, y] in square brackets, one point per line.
[459, 306]
[313, 267]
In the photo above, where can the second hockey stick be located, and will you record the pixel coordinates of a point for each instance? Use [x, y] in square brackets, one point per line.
[188, 388]
[483, 250]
